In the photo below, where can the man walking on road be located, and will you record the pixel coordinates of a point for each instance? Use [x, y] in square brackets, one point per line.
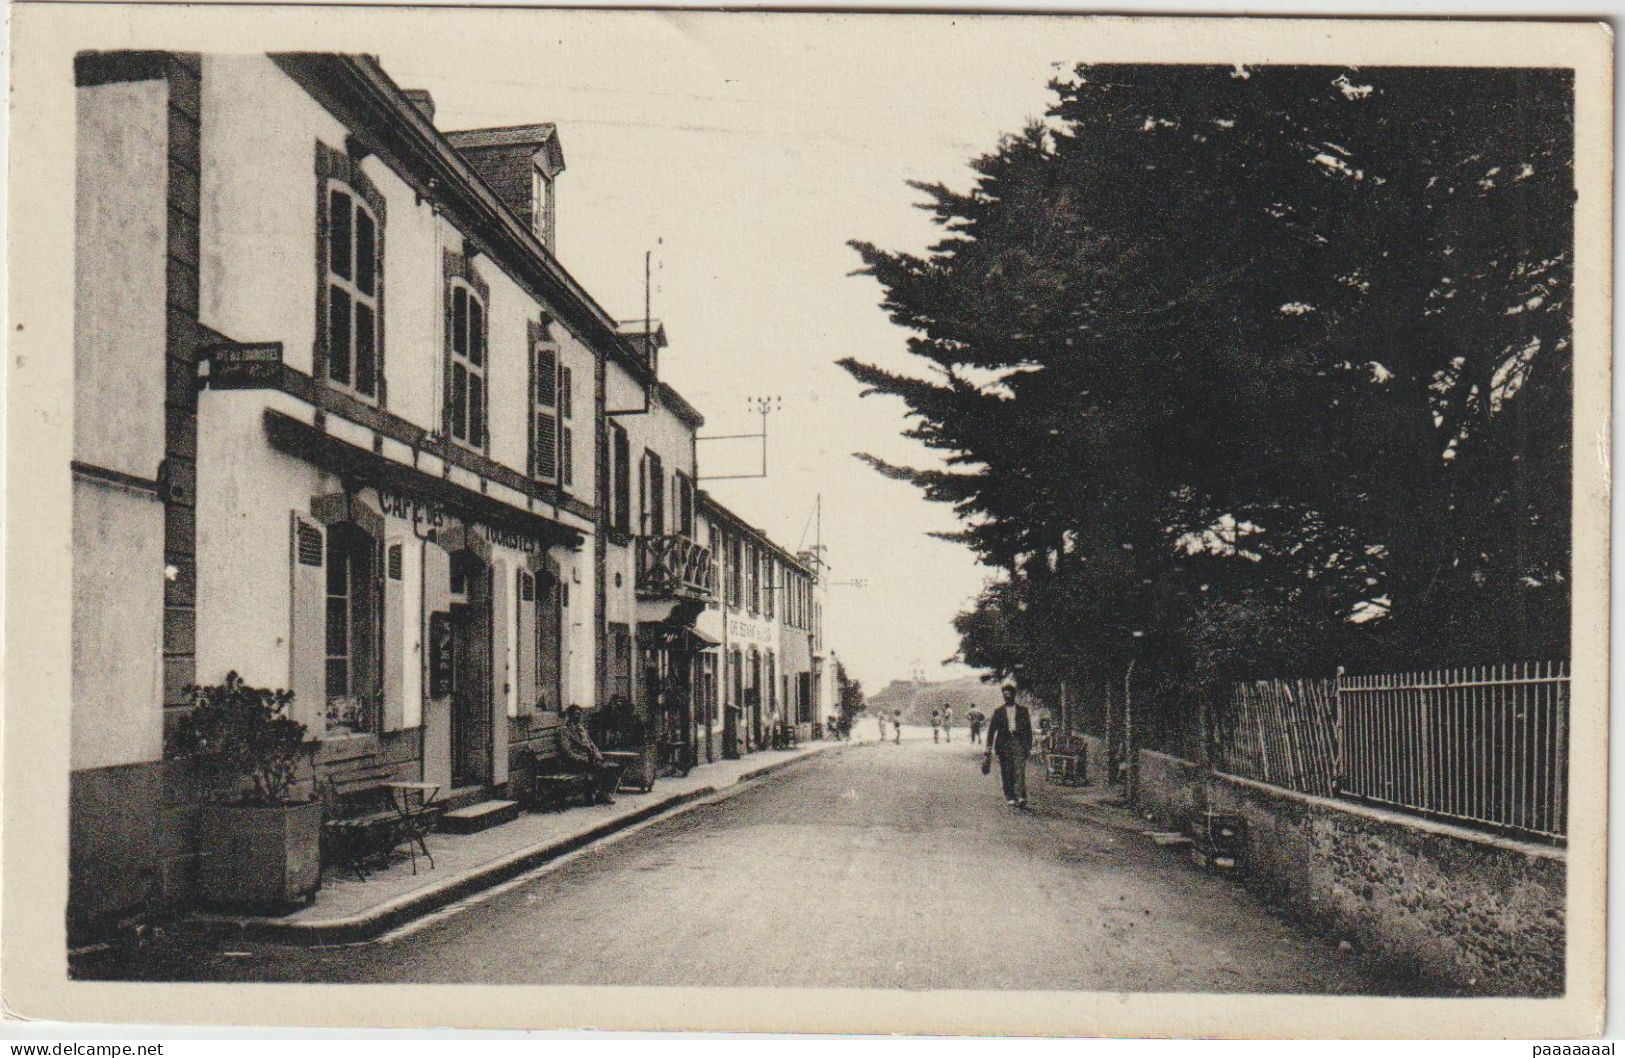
[1010, 735]
[936, 726]
[947, 723]
[880, 718]
[897, 723]
[974, 718]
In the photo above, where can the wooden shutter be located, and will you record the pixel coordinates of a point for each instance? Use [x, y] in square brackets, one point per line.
[544, 425]
[525, 642]
[549, 623]
[307, 639]
[501, 667]
[394, 635]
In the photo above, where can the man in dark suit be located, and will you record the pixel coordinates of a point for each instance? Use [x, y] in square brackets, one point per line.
[577, 752]
[1010, 735]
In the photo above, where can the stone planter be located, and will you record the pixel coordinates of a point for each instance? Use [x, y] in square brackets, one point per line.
[259, 857]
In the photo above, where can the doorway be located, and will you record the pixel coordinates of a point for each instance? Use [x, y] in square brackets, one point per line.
[471, 670]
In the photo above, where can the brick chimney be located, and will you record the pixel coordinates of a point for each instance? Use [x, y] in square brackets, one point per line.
[521, 163]
[421, 99]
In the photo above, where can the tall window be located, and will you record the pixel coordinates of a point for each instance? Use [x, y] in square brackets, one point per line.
[653, 493]
[621, 472]
[770, 570]
[684, 486]
[467, 384]
[545, 391]
[353, 607]
[736, 572]
[353, 269]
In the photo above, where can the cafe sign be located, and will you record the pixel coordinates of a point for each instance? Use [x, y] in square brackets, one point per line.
[750, 630]
[432, 514]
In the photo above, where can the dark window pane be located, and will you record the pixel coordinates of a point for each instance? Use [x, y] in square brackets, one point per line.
[476, 332]
[338, 233]
[338, 334]
[459, 401]
[338, 677]
[338, 571]
[338, 626]
[366, 261]
[459, 321]
[366, 367]
[476, 410]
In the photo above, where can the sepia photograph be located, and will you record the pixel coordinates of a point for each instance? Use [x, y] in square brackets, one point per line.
[690, 508]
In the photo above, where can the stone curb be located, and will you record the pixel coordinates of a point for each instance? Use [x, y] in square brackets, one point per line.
[397, 912]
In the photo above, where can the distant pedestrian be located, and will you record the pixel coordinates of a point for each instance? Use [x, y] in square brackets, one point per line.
[936, 726]
[880, 719]
[948, 723]
[1010, 735]
[897, 725]
[975, 718]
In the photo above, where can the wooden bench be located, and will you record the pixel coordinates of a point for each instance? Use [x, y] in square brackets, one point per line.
[553, 786]
[362, 822]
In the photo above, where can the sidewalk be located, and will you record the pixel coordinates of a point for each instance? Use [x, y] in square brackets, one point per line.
[1098, 803]
[348, 909]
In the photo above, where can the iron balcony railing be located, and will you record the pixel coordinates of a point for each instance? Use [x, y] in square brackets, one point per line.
[674, 566]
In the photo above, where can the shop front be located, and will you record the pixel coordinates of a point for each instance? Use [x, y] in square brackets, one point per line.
[427, 618]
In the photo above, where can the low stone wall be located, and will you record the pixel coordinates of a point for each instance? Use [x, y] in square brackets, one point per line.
[1442, 907]
[1170, 791]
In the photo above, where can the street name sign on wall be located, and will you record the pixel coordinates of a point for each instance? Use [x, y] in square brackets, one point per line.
[243, 366]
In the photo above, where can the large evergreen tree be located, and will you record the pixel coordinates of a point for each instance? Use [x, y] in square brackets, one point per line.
[1253, 370]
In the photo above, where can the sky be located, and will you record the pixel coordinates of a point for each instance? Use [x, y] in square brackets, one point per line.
[745, 151]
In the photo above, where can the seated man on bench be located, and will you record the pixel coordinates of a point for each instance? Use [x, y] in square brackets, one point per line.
[577, 753]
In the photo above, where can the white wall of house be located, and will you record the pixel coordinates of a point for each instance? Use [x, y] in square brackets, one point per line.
[121, 226]
[258, 283]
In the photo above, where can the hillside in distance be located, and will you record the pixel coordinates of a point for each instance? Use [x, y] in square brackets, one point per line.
[916, 700]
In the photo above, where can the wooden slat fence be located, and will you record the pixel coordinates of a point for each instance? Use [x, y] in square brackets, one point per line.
[1283, 732]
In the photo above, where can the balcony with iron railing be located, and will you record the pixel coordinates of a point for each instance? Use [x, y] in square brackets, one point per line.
[675, 566]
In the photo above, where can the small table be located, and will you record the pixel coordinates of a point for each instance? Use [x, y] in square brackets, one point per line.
[415, 821]
[635, 767]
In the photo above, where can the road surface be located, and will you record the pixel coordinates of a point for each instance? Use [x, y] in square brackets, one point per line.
[875, 866]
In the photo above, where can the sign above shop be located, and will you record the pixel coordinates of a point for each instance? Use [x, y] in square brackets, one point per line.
[432, 514]
[750, 630]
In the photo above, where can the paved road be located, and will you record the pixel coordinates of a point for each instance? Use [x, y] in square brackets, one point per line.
[872, 867]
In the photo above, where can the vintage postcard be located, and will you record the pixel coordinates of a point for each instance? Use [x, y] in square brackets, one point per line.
[807, 522]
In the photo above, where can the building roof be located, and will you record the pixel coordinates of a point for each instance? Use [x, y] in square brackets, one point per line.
[709, 505]
[357, 90]
[544, 137]
[636, 330]
[670, 398]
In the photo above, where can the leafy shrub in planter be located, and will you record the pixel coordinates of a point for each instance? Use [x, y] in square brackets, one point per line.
[257, 847]
[245, 746]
